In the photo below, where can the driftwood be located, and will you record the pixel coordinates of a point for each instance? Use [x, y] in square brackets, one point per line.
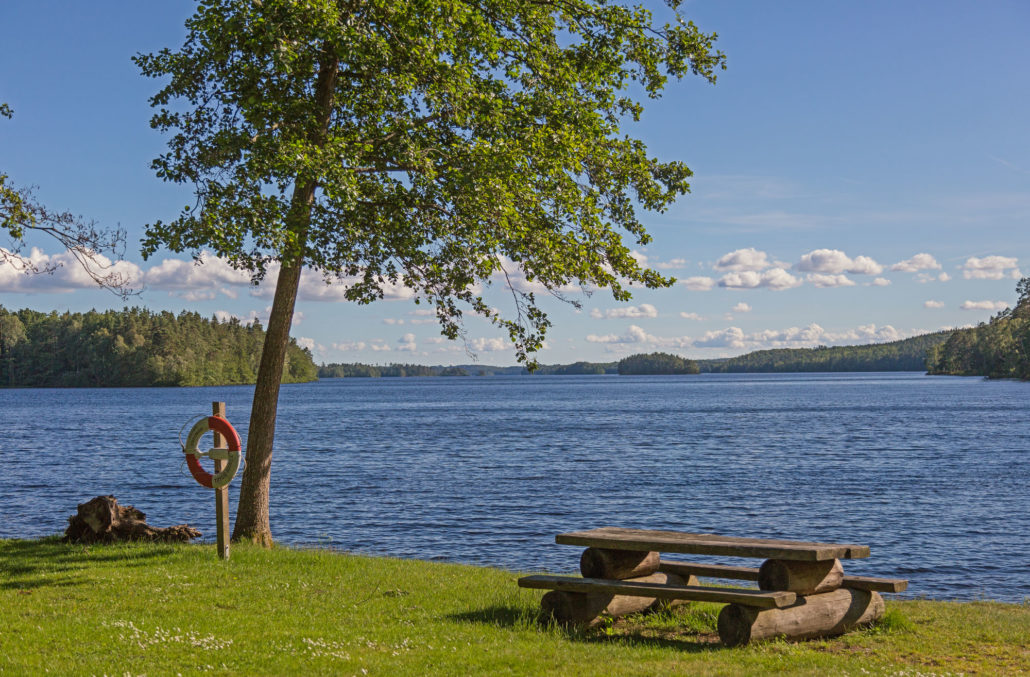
[102, 520]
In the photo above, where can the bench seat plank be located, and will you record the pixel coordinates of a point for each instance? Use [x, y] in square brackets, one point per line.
[752, 598]
[751, 574]
[710, 544]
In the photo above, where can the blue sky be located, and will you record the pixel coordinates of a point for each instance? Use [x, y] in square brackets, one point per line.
[862, 173]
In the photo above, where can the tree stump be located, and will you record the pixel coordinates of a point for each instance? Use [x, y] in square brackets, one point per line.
[102, 520]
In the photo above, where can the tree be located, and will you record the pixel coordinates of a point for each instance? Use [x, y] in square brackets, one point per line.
[21, 212]
[431, 144]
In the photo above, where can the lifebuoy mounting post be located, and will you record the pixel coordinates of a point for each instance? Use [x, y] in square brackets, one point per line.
[226, 455]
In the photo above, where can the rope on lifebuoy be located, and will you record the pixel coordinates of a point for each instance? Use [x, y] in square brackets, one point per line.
[231, 455]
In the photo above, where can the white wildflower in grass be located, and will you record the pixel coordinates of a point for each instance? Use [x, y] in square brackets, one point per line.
[144, 639]
[321, 648]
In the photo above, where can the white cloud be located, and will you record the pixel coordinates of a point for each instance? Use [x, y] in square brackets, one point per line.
[698, 283]
[305, 342]
[379, 347]
[776, 279]
[393, 320]
[198, 295]
[68, 274]
[633, 312]
[823, 280]
[933, 304]
[743, 259]
[195, 279]
[636, 336]
[639, 257]
[835, 262]
[406, 343]
[488, 345]
[918, 262]
[880, 282]
[741, 308]
[671, 264]
[991, 268]
[691, 316]
[633, 335]
[984, 305]
[350, 346]
[944, 277]
[731, 337]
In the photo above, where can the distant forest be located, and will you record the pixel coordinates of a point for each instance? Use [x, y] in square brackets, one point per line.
[653, 363]
[134, 347]
[906, 355]
[997, 349]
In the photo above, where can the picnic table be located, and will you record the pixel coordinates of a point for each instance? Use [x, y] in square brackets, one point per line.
[802, 593]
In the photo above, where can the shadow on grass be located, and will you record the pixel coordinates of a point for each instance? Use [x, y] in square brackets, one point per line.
[510, 616]
[48, 562]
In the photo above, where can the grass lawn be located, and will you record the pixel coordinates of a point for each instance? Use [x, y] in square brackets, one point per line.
[147, 609]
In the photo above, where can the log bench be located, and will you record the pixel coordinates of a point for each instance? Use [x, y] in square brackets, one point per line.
[802, 593]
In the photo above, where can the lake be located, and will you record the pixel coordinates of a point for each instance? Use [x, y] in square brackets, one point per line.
[931, 472]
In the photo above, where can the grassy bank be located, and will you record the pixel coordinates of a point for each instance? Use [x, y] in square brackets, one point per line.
[155, 610]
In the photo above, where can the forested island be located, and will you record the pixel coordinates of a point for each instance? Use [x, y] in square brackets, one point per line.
[996, 349]
[134, 347]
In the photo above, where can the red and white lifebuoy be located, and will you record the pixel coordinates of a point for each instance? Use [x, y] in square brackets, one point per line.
[231, 455]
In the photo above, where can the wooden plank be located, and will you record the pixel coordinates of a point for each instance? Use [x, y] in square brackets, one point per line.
[875, 584]
[618, 538]
[709, 570]
[751, 574]
[752, 598]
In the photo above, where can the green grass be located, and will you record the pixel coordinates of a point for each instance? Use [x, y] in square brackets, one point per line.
[166, 610]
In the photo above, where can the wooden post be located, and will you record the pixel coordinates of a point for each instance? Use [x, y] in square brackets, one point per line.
[222, 493]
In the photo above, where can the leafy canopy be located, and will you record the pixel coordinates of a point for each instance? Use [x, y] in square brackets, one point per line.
[466, 139]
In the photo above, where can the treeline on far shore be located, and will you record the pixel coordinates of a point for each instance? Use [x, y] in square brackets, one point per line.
[134, 347]
[652, 363]
[996, 349]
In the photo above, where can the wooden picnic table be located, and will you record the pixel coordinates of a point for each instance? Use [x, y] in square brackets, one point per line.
[803, 591]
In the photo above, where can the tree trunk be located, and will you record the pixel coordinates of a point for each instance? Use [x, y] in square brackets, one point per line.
[252, 513]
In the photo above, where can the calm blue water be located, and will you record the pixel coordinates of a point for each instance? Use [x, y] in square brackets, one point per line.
[932, 472]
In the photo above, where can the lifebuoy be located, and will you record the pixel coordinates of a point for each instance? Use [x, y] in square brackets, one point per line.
[232, 454]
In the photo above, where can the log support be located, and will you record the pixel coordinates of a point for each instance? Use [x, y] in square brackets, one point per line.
[821, 615]
[804, 578]
[617, 564]
[587, 608]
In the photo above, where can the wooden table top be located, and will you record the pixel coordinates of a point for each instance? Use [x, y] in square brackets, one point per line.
[710, 544]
